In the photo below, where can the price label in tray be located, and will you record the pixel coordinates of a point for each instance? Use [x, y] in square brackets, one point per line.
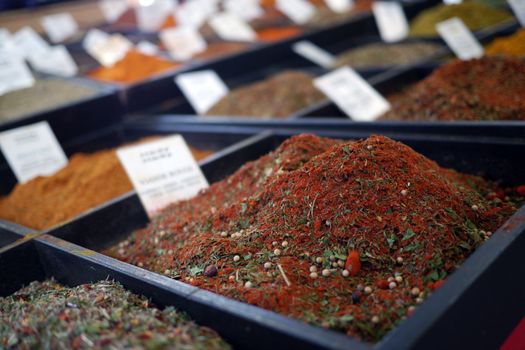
[182, 43]
[32, 150]
[518, 7]
[460, 39]
[299, 11]
[202, 89]
[230, 27]
[162, 172]
[60, 26]
[314, 53]
[391, 20]
[352, 94]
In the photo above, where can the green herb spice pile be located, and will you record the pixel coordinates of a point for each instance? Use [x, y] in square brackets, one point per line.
[382, 55]
[276, 97]
[43, 95]
[103, 315]
[475, 15]
[346, 235]
[484, 89]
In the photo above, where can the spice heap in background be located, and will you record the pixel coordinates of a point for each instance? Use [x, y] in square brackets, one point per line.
[87, 181]
[102, 315]
[134, 67]
[346, 235]
[276, 97]
[490, 88]
[43, 95]
[475, 15]
[386, 55]
[512, 45]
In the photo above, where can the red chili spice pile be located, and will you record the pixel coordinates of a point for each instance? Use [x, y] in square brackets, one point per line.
[491, 88]
[345, 235]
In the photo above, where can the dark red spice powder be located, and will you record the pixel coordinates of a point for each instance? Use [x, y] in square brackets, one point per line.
[281, 230]
[491, 88]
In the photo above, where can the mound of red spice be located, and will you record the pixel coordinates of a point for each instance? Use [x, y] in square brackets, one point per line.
[346, 235]
[491, 88]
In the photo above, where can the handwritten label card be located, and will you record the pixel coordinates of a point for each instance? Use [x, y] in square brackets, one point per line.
[202, 89]
[32, 150]
[460, 39]
[314, 53]
[352, 94]
[113, 9]
[182, 43]
[230, 27]
[246, 9]
[391, 20]
[162, 172]
[59, 27]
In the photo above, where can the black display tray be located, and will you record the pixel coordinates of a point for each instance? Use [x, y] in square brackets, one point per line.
[10, 233]
[476, 308]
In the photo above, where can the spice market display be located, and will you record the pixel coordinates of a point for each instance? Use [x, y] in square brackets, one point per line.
[350, 236]
[297, 174]
[101, 315]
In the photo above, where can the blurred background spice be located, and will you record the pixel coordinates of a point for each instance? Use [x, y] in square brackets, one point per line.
[87, 181]
[475, 15]
[278, 96]
[134, 67]
[221, 48]
[382, 55]
[278, 33]
[491, 88]
[512, 45]
[102, 315]
[281, 232]
[44, 94]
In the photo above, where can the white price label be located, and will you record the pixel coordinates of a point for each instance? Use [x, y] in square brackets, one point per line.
[246, 9]
[459, 38]
[7, 46]
[32, 151]
[314, 53]
[94, 37]
[518, 7]
[5, 36]
[232, 28]
[340, 6]
[27, 42]
[193, 14]
[56, 61]
[59, 27]
[182, 43]
[452, 2]
[299, 11]
[391, 20]
[14, 74]
[113, 9]
[110, 51]
[162, 172]
[352, 94]
[147, 48]
[151, 16]
[202, 89]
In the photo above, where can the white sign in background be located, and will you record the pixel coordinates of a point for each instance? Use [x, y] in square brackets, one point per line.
[314, 53]
[14, 74]
[246, 9]
[182, 42]
[518, 7]
[230, 27]
[151, 15]
[162, 172]
[59, 26]
[203, 89]
[340, 6]
[299, 11]
[32, 151]
[56, 61]
[460, 39]
[352, 94]
[113, 9]
[391, 20]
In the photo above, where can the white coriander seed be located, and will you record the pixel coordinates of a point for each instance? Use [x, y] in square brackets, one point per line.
[314, 275]
[313, 268]
[248, 284]
[346, 273]
[319, 260]
[375, 319]
[474, 207]
[284, 244]
[368, 290]
[277, 252]
[399, 279]
[326, 272]
[390, 279]
[399, 260]
[267, 265]
[236, 258]
[392, 285]
[404, 192]
[415, 291]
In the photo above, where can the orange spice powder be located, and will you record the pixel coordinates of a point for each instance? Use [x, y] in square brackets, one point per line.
[87, 181]
[135, 66]
[277, 33]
